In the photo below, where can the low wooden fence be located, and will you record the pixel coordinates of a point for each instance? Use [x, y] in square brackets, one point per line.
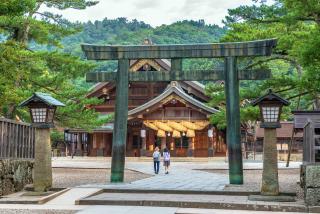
[16, 140]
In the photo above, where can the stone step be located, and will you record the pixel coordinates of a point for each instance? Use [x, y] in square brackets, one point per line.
[190, 201]
[72, 195]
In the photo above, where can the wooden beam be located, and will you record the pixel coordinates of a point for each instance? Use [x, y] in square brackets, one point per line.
[194, 75]
[115, 52]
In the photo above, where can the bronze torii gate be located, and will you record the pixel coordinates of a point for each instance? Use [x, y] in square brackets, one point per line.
[230, 74]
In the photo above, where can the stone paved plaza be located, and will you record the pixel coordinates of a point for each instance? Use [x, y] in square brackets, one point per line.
[200, 175]
[196, 175]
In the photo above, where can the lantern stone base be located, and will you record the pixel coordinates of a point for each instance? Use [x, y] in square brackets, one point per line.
[42, 177]
[270, 183]
[277, 198]
[310, 182]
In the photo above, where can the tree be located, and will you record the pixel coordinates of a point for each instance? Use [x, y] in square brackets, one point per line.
[295, 61]
[25, 69]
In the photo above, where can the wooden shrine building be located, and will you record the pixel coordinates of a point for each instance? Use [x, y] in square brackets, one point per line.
[164, 114]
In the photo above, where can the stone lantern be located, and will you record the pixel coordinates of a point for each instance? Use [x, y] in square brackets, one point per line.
[270, 111]
[42, 108]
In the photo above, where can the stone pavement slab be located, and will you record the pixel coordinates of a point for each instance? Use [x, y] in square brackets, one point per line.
[191, 201]
[183, 175]
[72, 195]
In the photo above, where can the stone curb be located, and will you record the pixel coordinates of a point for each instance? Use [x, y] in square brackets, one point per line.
[202, 205]
[191, 192]
[52, 196]
[41, 200]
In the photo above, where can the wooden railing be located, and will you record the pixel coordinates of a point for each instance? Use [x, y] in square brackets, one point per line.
[16, 140]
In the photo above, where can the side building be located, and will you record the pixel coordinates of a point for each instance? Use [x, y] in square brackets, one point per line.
[164, 114]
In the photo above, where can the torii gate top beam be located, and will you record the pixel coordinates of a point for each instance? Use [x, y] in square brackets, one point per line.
[111, 52]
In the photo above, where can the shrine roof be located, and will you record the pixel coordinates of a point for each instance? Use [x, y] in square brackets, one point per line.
[173, 88]
[165, 64]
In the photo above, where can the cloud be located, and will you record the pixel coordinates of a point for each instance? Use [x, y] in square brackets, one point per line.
[155, 12]
[146, 4]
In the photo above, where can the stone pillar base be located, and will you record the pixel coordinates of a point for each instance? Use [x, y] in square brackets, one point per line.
[309, 177]
[270, 182]
[42, 177]
[190, 152]
[210, 152]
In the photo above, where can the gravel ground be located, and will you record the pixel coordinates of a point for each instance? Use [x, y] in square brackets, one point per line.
[70, 177]
[288, 179]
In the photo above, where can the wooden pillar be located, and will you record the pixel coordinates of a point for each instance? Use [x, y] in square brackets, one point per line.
[163, 143]
[79, 145]
[210, 147]
[190, 147]
[143, 149]
[150, 142]
[270, 184]
[233, 121]
[73, 145]
[120, 122]
[42, 177]
[172, 146]
[210, 142]
[129, 144]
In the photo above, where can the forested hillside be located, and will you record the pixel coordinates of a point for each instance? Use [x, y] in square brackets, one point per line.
[133, 32]
[123, 31]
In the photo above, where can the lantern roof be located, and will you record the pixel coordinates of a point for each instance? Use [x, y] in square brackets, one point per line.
[42, 97]
[270, 96]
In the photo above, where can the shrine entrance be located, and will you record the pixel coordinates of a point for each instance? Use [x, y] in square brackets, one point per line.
[230, 74]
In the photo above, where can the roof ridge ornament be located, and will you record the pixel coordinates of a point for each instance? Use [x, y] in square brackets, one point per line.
[174, 83]
[147, 41]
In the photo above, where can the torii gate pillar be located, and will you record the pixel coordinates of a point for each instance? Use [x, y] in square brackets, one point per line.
[119, 138]
[233, 121]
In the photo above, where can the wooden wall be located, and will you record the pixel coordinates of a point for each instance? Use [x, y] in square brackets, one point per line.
[16, 140]
[100, 144]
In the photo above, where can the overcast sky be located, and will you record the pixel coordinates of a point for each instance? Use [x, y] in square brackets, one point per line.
[157, 12]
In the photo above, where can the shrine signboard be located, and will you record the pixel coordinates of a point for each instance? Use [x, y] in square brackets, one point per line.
[230, 74]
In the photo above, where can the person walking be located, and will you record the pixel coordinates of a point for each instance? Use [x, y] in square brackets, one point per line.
[166, 160]
[156, 160]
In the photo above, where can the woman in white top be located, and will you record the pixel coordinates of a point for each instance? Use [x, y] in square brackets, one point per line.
[166, 160]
